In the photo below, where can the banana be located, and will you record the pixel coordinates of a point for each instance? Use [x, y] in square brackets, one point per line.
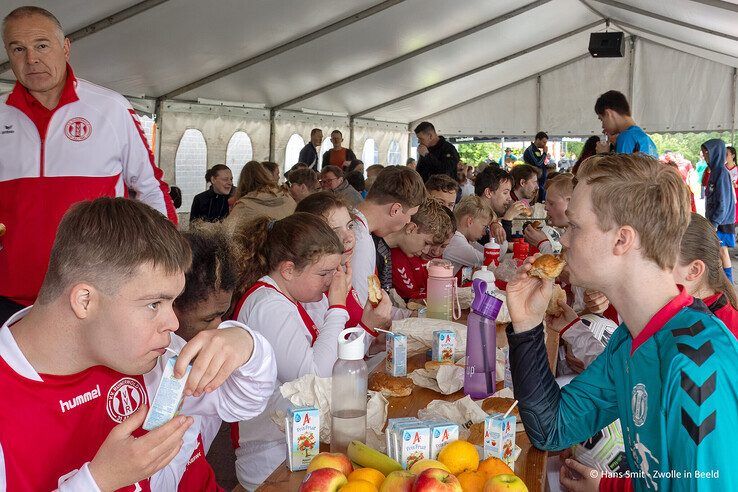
[367, 457]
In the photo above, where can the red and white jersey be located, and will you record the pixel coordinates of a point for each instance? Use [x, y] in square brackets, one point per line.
[90, 145]
[52, 426]
[409, 275]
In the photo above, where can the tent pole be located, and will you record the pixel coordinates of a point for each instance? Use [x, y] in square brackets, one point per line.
[158, 106]
[409, 140]
[538, 103]
[631, 70]
[732, 109]
[272, 136]
[351, 132]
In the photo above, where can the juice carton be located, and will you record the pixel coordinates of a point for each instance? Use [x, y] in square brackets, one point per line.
[414, 444]
[302, 428]
[444, 345]
[442, 433]
[168, 397]
[389, 433]
[396, 354]
[499, 437]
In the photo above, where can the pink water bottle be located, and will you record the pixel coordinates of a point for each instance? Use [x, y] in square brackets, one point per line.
[492, 253]
[481, 343]
[441, 299]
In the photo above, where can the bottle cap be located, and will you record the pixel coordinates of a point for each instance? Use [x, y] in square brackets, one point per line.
[440, 268]
[484, 304]
[351, 348]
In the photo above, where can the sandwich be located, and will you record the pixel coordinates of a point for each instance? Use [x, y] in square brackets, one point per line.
[547, 267]
[375, 290]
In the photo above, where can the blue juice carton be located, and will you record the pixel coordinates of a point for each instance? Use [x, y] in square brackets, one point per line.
[413, 443]
[302, 429]
[499, 437]
[444, 345]
[396, 363]
[390, 436]
[442, 433]
[168, 398]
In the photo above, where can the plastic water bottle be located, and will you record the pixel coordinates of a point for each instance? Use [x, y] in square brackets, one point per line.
[481, 343]
[348, 391]
[492, 252]
[441, 298]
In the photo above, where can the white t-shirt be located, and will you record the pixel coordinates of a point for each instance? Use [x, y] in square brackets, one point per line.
[463, 253]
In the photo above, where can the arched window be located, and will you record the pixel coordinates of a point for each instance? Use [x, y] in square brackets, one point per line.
[370, 153]
[190, 165]
[238, 153]
[292, 153]
[147, 125]
[393, 154]
[326, 145]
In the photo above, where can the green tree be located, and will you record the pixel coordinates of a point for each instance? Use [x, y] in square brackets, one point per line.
[476, 153]
[687, 144]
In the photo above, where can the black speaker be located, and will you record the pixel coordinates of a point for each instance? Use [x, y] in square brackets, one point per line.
[607, 44]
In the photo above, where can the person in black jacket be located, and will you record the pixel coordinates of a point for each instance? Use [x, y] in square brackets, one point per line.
[435, 154]
[212, 205]
[535, 155]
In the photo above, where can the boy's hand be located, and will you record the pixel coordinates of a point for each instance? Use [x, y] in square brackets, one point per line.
[214, 355]
[514, 210]
[576, 477]
[567, 316]
[527, 298]
[534, 236]
[340, 286]
[595, 302]
[380, 316]
[498, 232]
[123, 460]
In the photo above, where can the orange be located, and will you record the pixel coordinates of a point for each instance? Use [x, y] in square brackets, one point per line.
[472, 481]
[369, 474]
[494, 466]
[359, 486]
[459, 456]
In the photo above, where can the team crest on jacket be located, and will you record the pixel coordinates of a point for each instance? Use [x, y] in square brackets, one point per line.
[124, 398]
[639, 404]
[77, 129]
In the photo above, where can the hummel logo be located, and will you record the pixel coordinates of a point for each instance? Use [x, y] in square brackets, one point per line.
[80, 399]
[8, 129]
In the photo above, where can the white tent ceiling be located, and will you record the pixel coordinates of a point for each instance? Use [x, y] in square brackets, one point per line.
[489, 67]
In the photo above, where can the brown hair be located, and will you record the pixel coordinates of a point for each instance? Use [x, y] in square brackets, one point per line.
[442, 183]
[639, 191]
[213, 264]
[473, 206]
[701, 243]
[522, 172]
[562, 183]
[265, 243]
[271, 166]
[337, 171]
[321, 203]
[433, 218]
[255, 177]
[397, 184]
[305, 176]
[104, 241]
[213, 171]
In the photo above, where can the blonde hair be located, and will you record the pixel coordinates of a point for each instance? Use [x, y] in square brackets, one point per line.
[474, 206]
[701, 243]
[434, 218]
[639, 191]
[562, 184]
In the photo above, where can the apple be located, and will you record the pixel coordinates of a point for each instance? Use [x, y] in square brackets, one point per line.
[398, 481]
[436, 480]
[323, 480]
[338, 461]
[505, 483]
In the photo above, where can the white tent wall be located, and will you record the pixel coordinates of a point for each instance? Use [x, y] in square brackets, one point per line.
[511, 111]
[568, 94]
[675, 91]
[287, 123]
[383, 134]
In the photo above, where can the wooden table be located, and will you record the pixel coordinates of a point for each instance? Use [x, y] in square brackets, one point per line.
[530, 465]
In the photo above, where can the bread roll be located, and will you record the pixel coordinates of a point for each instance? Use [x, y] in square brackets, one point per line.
[375, 290]
[390, 385]
[2, 230]
[495, 404]
[547, 267]
[553, 308]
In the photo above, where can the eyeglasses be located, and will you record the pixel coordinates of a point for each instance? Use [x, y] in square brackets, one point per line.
[326, 181]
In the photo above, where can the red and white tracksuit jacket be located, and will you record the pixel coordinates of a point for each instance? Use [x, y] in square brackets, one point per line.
[90, 145]
[52, 426]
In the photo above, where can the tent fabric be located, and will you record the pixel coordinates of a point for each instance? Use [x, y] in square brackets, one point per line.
[405, 60]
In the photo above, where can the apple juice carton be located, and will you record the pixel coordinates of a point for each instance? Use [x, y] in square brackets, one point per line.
[499, 437]
[389, 434]
[397, 431]
[302, 428]
[444, 345]
[396, 354]
[442, 433]
[414, 444]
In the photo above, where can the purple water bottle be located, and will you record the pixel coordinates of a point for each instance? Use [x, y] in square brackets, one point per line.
[481, 343]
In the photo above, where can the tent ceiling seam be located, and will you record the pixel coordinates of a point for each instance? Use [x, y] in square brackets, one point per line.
[304, 39]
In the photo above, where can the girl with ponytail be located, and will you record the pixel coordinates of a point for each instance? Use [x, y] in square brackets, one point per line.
[285, 265]
[700, 270]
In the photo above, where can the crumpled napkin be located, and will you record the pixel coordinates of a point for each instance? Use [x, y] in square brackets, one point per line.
[464, 412]
[310, 390]
[419, 332]
[446, 379]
